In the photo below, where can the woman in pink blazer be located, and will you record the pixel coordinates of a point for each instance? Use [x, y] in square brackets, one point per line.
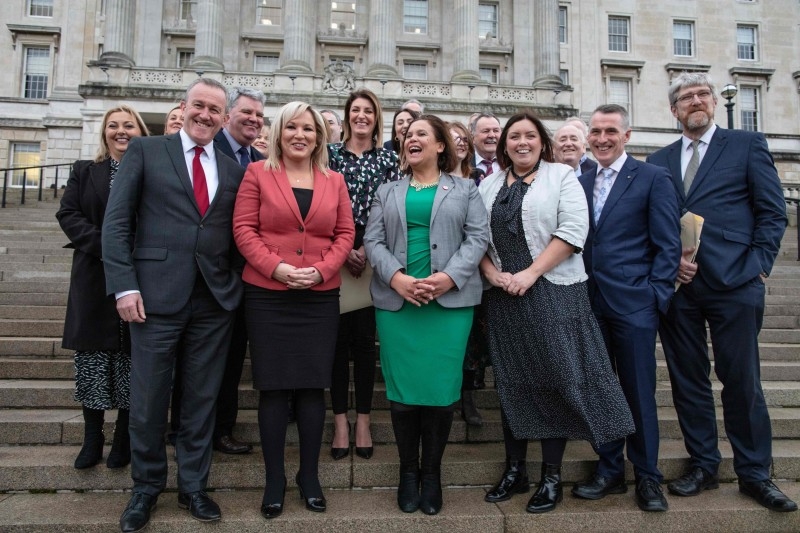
[294, 226]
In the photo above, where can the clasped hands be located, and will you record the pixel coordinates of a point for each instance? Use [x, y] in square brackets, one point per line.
[297, 278]
[421, 291]
[514, 284]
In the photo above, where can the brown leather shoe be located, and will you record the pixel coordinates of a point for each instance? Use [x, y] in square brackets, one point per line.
[227, 444]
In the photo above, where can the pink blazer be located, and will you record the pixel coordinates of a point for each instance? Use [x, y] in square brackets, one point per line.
[268, 228]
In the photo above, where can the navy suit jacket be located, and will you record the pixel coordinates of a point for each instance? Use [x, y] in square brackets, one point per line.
[738, 192]
[588, 165]
[632, 254]
[221, 142]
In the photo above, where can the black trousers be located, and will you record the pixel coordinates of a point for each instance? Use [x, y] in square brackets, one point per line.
[356, 338]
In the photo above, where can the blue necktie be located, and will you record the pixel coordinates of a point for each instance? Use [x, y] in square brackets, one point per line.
[605, 188]
[244, 156]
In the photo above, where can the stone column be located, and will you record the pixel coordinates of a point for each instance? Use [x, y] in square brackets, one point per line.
[381, 39]
[546, 47]
[465, 50]
[208, 37]
[298, 39]
[118, 43]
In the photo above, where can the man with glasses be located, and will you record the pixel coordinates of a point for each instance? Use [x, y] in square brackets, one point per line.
[729, 178]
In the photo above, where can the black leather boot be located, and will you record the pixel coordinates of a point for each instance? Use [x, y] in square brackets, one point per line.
[120, 454]
[513, 481]
[406, 426]
[436, 424]
[469, 412]
[549, 492]
[93, 439]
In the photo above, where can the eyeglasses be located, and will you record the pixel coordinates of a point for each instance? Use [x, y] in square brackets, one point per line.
[702, 95]
[459, 140]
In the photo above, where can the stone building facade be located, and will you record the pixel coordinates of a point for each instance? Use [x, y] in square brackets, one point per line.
[66, 61]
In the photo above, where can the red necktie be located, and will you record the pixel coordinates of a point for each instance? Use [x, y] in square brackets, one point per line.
[488, 164]
[199, 182]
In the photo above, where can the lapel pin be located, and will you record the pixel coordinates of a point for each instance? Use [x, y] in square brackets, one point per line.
[444, 187]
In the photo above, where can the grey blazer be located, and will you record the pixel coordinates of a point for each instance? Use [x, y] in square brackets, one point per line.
[459, 237]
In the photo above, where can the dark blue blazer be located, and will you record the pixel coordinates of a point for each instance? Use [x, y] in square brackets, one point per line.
[632, 254]
[588, 165]
[738, 192]
[221, 142]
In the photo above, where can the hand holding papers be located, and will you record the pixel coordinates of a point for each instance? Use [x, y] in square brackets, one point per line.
[691, 228]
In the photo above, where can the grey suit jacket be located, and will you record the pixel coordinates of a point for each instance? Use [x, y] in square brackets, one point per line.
[154, 239]
[459, 236]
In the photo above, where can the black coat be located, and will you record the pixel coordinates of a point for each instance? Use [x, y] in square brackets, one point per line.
[92, 322]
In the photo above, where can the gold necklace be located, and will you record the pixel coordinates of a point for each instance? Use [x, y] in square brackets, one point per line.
[419, 186]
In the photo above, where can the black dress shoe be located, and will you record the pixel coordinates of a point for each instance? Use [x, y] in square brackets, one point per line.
[694, 482]
[341, 453]
[137, 513]
[227, 444]
[514, 481]
[200, 505]
[365, 452]
[318, 505]
[408, 489]
[273, 510]
[599, 487]
[649, 496]
[767, 494]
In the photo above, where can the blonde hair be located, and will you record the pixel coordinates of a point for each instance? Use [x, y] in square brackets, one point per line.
[319, 156]
[103, 152]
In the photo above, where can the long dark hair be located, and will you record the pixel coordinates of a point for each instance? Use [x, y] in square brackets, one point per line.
[397, 144]
[466, 163]
[448, 159]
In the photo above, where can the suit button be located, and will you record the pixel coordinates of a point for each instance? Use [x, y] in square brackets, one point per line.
[435, 271]
[201, 226]
[433, 246]
[299, 251]
[301, 229]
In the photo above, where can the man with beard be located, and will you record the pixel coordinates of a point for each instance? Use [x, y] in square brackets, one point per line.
[729, 178]
[485, 134]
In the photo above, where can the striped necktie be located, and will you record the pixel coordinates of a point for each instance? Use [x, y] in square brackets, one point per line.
[691, 168]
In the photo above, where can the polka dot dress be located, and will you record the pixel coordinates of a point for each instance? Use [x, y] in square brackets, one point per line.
[552, 371]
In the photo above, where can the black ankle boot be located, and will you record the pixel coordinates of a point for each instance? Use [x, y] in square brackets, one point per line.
[513, 481]
[469, 412]
[549, 492]
[430, 496]
[120, 454]
[93, 439]
[408, 489]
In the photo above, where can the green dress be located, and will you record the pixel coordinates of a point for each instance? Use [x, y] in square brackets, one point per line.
[422, 348]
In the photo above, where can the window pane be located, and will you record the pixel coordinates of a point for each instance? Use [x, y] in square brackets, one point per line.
[40, 8]
[683, 35]
[746, 42]
[25, 155]
[748, 103]
[415, 16]
[564, 75]
[488, 74]
[618, 34]
[188, 9]
[620, 93]
[349, 61]
[268, 12]
[415, 71]
[487, 20]
[266, 62]
[185, 58]
[562, 25]
[37, 72]
[343, 15]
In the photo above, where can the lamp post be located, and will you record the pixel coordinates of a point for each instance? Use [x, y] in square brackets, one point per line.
[728, 92]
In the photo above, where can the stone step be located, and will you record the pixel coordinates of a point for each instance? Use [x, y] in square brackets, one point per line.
[356, 511]
[33, 258]
[767, 351]
[65, 426]
[33, 299]
[10, 327]
[55, 237]
[33, 346]
[48, 467]
[57, 312]
[35, 248]
[28, 287]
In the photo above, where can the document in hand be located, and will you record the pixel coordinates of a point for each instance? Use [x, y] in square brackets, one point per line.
[691, 228]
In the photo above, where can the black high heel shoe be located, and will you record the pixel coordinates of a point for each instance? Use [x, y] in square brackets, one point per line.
[341, 453]
[318, 505]
[364, 452]
[273, 510]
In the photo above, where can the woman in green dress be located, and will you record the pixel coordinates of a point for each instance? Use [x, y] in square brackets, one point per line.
[425, 238]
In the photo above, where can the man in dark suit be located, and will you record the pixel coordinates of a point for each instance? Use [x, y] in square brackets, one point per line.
[631, 256]
[167, 247]
[243, 124]
[728, 177]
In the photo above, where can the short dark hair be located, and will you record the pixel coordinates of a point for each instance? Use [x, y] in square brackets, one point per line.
[547, 143]
[614, 109]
